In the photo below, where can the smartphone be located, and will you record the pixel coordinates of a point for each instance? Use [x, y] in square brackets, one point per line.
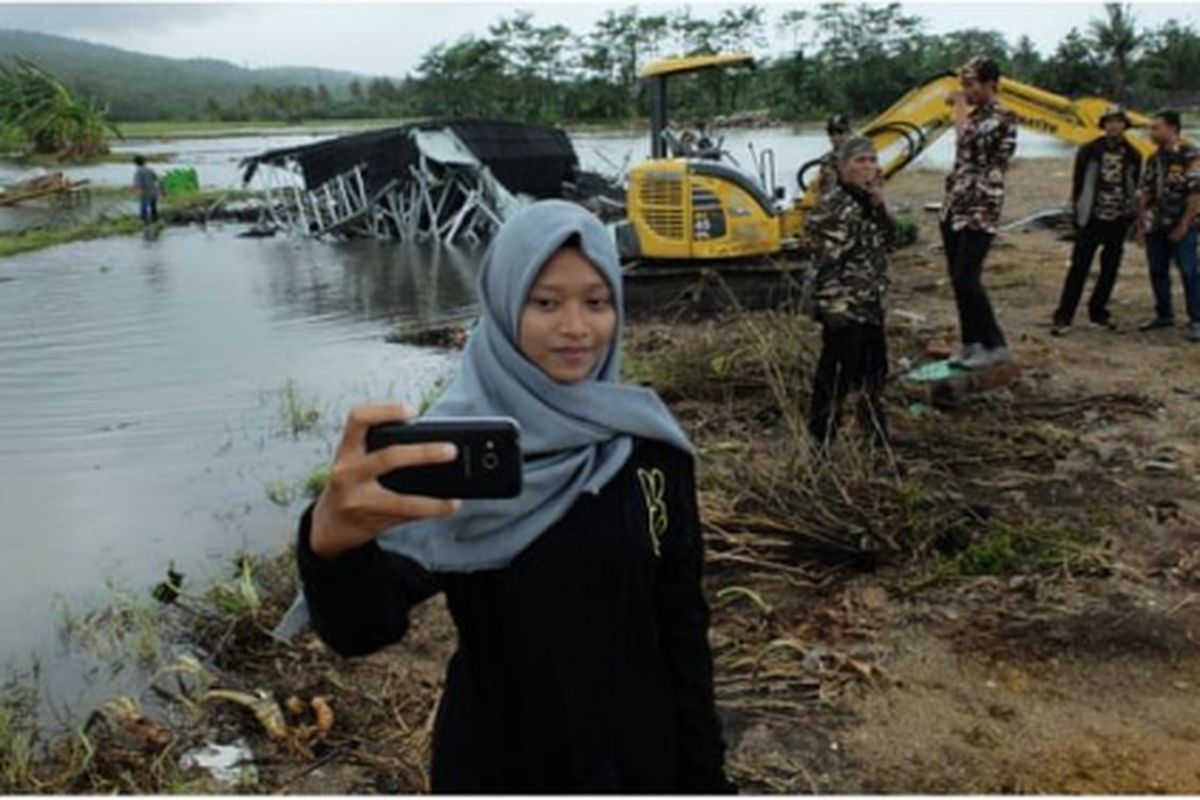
[488, 463]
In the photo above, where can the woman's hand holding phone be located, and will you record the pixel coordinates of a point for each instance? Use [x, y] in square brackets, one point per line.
[354, 508]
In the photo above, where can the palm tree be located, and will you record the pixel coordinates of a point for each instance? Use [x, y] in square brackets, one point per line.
[48, 116]
[1117, 40]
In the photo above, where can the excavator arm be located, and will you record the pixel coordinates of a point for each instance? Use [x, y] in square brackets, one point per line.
[915, 121]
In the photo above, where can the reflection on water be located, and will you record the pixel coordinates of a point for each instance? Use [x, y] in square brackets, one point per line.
[142, 383]
[425, 285]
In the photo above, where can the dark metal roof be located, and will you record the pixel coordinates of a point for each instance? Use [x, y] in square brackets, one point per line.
[533, 159]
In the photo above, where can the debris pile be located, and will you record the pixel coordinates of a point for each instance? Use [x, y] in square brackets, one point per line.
[450, 181]
[56, 186]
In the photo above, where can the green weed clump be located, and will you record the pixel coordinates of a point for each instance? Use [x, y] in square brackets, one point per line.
[125, 627]
[300, 414]
[41, 238]
[431, 395]
[1027, 548]
[16, 739]
[284, 492]
[240, 595]
[281, 493]
[316, 481]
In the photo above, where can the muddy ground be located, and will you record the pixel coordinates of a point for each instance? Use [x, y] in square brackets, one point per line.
[1050, 682]
[1008, 601]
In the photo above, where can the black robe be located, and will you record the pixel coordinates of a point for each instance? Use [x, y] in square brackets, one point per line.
[582, 666]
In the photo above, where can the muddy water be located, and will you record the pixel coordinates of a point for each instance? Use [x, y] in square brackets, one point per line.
[144, 386]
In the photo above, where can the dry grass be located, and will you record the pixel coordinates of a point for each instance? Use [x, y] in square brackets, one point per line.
[773, 503]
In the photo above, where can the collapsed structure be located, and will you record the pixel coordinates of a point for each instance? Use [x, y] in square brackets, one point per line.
[450, 181]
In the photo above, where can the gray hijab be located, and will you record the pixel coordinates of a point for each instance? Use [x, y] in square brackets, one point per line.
[574, 437]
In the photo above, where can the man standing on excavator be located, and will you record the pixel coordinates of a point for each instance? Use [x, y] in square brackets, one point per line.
[1104, 203]
[1168, 218]
[838, 131]
[987, 139]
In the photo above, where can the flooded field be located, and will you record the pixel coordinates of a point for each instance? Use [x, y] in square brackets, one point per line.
[216, 159]
[164, 399]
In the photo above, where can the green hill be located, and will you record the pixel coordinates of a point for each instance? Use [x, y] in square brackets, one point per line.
[137, 86]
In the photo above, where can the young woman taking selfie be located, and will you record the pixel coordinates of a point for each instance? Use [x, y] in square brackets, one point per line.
[583, 662]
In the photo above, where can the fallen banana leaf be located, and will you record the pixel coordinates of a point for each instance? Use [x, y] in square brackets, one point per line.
[264, 708]
[186, 666]
[749, 594]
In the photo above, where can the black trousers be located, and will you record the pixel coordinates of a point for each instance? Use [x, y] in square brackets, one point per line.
[965, 252]
[853, 357]
[1109, 238]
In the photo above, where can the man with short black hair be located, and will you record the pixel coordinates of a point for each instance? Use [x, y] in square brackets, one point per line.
[147, 185]
[1103, 204]
[838, 130]
[987, 139]
[1168, 218]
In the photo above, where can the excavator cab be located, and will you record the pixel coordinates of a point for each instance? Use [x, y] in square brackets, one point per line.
[692, 203]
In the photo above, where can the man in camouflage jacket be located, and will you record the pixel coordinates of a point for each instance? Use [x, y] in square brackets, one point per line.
[1169, 221]
[1104, 202]
[852, 236]
[987, 139]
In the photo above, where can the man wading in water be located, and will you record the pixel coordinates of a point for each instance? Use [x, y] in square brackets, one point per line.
[583, 662]
[148, 187]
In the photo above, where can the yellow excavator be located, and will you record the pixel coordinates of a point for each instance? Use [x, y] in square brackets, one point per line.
[683, 206]
[916, 120]
[687, 205]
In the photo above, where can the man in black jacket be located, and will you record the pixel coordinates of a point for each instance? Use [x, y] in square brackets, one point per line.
[1103, 202]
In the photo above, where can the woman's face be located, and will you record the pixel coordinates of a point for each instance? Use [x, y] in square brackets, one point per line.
[568, 320]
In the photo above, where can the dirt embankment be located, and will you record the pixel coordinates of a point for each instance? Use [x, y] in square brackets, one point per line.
[1009, 602]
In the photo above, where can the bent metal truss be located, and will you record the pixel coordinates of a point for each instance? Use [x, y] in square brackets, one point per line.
[451, 181]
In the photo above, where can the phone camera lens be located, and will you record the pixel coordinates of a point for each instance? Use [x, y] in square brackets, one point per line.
[490, 461]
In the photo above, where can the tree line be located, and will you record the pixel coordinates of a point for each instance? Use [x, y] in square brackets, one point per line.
[855, 59]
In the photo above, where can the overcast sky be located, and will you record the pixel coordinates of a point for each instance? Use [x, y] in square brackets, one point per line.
[388, 39]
